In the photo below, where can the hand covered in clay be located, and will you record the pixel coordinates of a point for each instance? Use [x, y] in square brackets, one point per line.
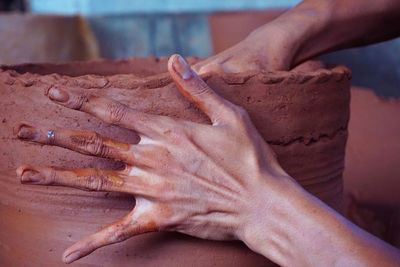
[192, 178]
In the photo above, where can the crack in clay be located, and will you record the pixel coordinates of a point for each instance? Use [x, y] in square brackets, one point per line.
[309, 141]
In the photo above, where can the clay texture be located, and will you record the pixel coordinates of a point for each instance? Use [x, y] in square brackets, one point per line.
[303, 114]
[371, 176]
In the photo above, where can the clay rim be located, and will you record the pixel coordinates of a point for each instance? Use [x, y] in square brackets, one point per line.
[95, 81]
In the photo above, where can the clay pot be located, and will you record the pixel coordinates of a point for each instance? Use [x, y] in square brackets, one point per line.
[303, 114]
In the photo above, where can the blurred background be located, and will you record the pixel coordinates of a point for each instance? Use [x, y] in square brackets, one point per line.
[65, 30]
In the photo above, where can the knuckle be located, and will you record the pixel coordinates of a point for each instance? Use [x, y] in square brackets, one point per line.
[51, 178]
[120, 235]
[176, 135]
[179, 133]
[97, 147]
[95, 183]
[200, 90]
[78, 102]
[92, 144]
[203, 89]
[116, 112]
[120, 231]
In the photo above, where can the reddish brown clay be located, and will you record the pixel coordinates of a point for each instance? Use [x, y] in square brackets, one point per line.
[303, 114]
[371, 176]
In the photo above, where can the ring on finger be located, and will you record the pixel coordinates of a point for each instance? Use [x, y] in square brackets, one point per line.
[50, 136]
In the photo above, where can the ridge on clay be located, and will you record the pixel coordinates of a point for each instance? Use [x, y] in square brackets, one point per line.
[303, 114]
[144, 73]
[123, 71]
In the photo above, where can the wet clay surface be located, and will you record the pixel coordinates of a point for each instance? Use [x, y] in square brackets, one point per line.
[303, 114]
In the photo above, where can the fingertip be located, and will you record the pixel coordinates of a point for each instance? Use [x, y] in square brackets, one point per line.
[70, 256]
[58, 95]
[171, 61]
[74, 252]
[20, 170]
[26, 131]
[29, 174]
[179, 68]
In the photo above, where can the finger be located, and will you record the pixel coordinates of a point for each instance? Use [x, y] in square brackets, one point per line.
[137, 222]
[107, 110]
[88, 179]
[196, 90]
[85, 142]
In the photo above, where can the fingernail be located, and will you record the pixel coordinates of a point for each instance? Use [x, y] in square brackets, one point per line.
[31, 176]
[71, 257]
[182, 68]
[27, 132]
[56, 94]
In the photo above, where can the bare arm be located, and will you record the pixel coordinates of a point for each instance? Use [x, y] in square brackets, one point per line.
[311, 28]
[300, 230]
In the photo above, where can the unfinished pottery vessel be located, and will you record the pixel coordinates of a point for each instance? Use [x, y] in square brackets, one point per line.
[303, 114]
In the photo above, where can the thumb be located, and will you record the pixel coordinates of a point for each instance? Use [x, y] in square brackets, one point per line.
[116, 232]
[197, 91]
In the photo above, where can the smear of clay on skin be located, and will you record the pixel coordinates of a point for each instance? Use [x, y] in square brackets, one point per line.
[82, 138]
[109, 177]
[116, 179]
[119, 145]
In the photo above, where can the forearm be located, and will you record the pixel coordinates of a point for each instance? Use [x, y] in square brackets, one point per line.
[301, 230]
[314, 27]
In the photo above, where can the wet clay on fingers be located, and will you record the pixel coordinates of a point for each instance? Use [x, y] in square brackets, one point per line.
[302, 114]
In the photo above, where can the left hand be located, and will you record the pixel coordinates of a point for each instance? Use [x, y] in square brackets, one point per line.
[202, 180]
[271, 47]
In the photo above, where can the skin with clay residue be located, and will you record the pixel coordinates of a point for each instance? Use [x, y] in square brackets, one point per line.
[31, 176]
[119, 145]
[27, 132]
[81, 138]
[106, 177]
[220, 181]
[177, 183]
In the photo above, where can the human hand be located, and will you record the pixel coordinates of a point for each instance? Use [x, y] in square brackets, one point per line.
[268, 48]
[198, 179]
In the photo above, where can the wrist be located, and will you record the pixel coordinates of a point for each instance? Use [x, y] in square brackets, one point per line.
[274, 46]
[293, 37]
[305, 24]
[268, 223]
[291, 227]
